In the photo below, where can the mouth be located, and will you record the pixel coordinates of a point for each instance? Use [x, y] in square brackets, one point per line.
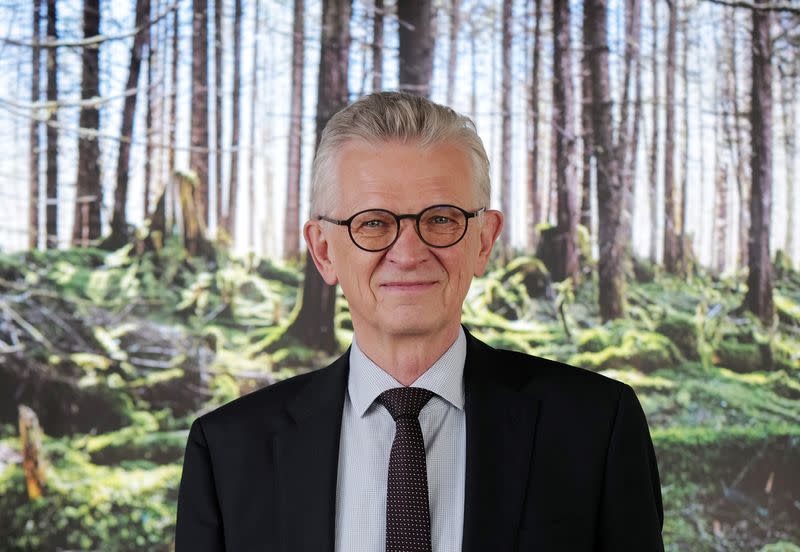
[408, 286]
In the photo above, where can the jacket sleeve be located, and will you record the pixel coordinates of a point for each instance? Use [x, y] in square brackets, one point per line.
[199, 522]
[631, 513]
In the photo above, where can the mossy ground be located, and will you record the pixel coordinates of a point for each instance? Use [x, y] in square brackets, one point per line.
[131, 348]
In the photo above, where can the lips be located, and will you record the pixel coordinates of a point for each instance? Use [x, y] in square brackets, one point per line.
[408, 285]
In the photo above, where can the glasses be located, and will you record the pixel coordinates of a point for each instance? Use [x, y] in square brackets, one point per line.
[378, 229]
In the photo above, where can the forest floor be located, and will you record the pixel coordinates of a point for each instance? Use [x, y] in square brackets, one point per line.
[116, 353]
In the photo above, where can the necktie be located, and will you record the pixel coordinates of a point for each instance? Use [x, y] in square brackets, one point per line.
[408, 519]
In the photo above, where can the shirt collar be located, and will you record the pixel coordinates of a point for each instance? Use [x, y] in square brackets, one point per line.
[445, 377]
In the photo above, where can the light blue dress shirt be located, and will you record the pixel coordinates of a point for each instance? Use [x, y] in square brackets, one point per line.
[366, 440]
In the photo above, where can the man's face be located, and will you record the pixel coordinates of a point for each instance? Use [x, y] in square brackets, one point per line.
[410, 288]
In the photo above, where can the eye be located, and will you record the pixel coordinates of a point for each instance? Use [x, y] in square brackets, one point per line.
[440, 219]
[373, 223]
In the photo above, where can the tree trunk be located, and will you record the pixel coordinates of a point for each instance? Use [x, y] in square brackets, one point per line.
[219, 135]
[52, 132]
[505, 108]
[417, 39]
[563, 125]
[670, 216]
[611, 238]
[251, 172]
[89, 192]
[653, 188]
[452, 51]
[198, 158]
[313, 324]
[741, 161]
[630, 111]
[789, 104]
[119, 223]
[683, 245]
[291, 228]
[173, 113]
[148, 118]
[759, 279]
[534, 205]
[586, 135]
[233, 186]
[34, 154]
[377, 46]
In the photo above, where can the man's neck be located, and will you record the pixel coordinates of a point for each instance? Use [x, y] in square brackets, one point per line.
[405, 357]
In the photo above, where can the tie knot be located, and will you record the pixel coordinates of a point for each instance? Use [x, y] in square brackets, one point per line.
[405, 402]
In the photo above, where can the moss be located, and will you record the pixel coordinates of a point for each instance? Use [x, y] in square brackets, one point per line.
[781, 546]
[89, 507]
[594, 340]
[682, 331]
[645, 351]
[743, 357]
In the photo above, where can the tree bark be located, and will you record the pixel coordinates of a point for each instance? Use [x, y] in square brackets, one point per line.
[119, 221]
[683, 245]
[534, 204]
[670, 215]
[173, 118]
[567, 214]
[313, 324]
[148, 118]
[198, 158]
[653, 188]
[505, 108]
[587, 170]
[51, 210]
[789, 112]
[251, 199]
[233, 186]
[377, 46]
[291, 229]
[452, 51]
[219, 135]
[630, 111]
[89, 188]
[34, 153]
[759, 279]
[417, 39]
[741, 160]
[611, 238]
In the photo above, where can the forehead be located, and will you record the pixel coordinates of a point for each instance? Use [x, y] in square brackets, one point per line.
[404, 177]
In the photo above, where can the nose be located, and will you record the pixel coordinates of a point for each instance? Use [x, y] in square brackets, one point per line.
[408, 249]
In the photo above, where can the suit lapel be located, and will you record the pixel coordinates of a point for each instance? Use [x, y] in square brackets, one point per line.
[306, 461]
[501, 422]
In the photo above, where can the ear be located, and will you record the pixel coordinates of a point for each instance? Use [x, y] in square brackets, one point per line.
[490, 229]
[319, 248]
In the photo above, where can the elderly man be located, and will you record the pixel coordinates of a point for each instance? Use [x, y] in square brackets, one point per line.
[420, 437]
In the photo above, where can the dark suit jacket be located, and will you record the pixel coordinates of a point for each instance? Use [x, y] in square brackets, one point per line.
[558, 459]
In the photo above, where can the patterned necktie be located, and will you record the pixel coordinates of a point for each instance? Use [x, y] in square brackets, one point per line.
[408, 518]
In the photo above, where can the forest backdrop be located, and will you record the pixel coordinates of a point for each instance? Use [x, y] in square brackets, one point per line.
[154, 184]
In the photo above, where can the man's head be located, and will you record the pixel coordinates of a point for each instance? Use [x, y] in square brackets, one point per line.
[394, 117]
[402, 154]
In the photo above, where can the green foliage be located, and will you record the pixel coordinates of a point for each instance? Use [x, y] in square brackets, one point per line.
[159, 337]
[89, 507]
[682, 330]
[645, 351]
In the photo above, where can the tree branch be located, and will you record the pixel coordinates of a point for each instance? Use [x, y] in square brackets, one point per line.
[92, 40]
[790, 7]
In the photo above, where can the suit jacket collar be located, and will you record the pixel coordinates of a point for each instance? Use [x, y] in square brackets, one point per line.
[306, 455]
[501, 422]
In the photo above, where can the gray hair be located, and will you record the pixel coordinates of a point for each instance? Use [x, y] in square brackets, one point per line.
[386, 116]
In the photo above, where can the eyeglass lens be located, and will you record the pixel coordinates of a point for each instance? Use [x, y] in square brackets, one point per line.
[439, 226]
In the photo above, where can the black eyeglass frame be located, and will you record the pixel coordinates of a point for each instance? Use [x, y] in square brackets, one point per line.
[397, 218]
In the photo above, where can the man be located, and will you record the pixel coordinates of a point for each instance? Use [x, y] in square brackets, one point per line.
[420, 437]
